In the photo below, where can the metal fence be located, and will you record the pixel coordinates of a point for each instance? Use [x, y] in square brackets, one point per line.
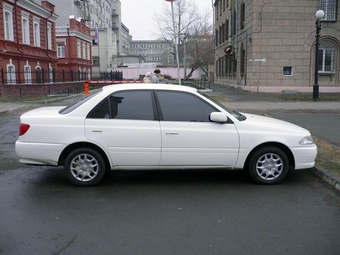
[42, 76]
[202, 84]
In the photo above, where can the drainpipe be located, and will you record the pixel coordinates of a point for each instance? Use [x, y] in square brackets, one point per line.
[17, 35]
[47, 49]
[69, 47]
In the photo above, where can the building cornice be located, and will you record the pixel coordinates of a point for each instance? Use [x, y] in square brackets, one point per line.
[37, 9]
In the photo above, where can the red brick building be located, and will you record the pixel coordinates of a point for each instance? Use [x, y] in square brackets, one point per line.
[74, 49]
[27, 41]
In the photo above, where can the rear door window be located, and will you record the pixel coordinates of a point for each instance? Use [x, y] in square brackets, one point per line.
[130, 105]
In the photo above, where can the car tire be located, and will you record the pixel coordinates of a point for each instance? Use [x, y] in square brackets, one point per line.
[84, 167]
[268, 165]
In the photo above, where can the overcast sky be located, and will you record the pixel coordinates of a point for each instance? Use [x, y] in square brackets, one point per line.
[138, 15]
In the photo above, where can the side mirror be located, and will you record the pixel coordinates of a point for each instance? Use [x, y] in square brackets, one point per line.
[218, 117]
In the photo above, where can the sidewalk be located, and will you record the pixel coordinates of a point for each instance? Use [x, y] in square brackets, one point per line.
[236, 100]
[11, 107]
[245, 100]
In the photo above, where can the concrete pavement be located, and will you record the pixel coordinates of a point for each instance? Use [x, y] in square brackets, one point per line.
[236, 100]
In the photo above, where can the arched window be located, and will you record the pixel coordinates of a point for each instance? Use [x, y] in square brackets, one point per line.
[28, 74]
[50, 74]
[327, 55]
[11, 77]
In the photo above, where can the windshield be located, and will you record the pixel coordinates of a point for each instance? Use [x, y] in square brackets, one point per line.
[235, 114]
[74, 106]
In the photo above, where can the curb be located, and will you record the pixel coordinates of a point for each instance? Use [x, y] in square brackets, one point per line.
[327, 176]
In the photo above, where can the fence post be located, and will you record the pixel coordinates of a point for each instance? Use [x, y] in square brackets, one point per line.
[54, 78]
[2, 76]
[86, 87]
[43, 75]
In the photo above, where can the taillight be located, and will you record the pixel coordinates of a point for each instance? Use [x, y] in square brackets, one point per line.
[23, 128]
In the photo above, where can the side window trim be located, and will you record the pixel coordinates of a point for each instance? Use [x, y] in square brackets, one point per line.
[158, 106]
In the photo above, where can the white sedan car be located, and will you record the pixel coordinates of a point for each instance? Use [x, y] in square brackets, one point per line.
[158, 126]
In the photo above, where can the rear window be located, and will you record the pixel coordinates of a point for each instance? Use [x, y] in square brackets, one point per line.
[74, 106]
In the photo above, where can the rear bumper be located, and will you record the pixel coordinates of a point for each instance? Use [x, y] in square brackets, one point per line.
[38, 153]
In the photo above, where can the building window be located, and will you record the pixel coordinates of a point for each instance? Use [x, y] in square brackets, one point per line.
[25, 30]
[79, 50]
[28, 74]
[242, 60]
[95, 60]
[216, 39]
[8, 23]
[326, 60]
[216, 10]
[50, 74]
[234, 23]
[287, 71]
[36, 32]
[49, 37]
[60, 50]
[242, 18]
[89, 74]
[227, 29]
[11, 78]
[329, 7]
[84, 51]
[88, 51]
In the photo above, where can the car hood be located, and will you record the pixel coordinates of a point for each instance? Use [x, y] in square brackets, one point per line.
[272, 123]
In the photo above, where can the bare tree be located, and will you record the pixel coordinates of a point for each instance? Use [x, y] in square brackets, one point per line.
[193, 29]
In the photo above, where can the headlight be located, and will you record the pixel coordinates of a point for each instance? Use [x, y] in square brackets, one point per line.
[307, 140]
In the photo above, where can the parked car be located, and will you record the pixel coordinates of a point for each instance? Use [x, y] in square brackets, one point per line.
[158, 126]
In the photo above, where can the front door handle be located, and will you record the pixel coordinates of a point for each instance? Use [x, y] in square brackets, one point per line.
[97, 131]
[171, 133]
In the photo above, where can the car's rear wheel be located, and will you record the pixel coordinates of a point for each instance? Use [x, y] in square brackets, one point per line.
[268, 165]
[84, 167]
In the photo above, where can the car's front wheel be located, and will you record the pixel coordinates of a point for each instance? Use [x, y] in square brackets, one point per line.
[268, 165]
[84, 167]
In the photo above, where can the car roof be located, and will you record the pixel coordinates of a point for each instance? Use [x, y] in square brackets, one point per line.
[158, 86]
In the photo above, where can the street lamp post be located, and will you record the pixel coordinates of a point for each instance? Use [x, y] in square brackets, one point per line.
[185, 56]
[175, 39]
[319, 15]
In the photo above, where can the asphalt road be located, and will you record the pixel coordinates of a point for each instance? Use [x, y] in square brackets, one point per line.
[166, 213]
[161, 212]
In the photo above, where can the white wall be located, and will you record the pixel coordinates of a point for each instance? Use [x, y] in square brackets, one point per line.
[134, 72]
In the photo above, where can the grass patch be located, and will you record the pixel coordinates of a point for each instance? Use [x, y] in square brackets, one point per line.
[26, 99]
[307, 97]
[328, 156]
[219, 98]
